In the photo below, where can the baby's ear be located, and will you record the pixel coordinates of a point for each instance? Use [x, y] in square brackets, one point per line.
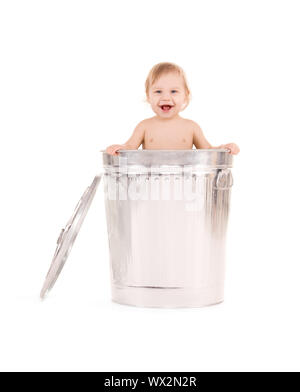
[186, 101]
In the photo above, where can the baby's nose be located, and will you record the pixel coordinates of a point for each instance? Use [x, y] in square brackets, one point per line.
[166, 97]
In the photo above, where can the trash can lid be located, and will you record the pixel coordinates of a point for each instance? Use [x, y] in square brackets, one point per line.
[68, 235]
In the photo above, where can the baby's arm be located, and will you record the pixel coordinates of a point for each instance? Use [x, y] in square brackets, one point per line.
[133, 143]
[200, 142]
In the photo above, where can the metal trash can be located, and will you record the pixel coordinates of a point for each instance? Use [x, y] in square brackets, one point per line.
[167, 214]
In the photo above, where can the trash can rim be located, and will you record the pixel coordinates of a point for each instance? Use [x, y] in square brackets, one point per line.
[179, 150]
[212, 158]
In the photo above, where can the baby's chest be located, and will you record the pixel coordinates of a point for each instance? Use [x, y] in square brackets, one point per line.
[176, 135]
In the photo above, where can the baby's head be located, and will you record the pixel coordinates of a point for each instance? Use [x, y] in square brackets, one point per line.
[167, 90]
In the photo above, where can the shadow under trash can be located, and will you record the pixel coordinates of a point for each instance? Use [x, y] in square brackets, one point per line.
[167, 214]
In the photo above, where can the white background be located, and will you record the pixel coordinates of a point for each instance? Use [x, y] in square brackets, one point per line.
[72, 79]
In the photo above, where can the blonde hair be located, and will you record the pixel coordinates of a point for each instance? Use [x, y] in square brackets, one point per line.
[162, 69]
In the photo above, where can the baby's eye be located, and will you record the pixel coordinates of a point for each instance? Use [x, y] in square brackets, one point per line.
[174, 91]
[157, 91]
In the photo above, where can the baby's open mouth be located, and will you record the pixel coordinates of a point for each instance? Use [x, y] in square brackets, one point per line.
[166, 108]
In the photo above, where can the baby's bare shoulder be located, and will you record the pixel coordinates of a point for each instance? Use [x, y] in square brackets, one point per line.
[144, 123]
[192, 124]
[189, 125]
[149, 120]
[147, 124]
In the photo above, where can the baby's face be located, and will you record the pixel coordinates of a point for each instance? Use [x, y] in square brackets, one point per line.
[167, 95]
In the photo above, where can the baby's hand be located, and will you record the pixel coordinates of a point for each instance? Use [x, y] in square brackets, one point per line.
[114, 148]
[234, 148]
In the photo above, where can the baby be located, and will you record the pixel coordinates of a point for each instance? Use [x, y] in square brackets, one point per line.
[168, 93]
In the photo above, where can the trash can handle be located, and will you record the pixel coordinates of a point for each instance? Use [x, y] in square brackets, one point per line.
[224, 179]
